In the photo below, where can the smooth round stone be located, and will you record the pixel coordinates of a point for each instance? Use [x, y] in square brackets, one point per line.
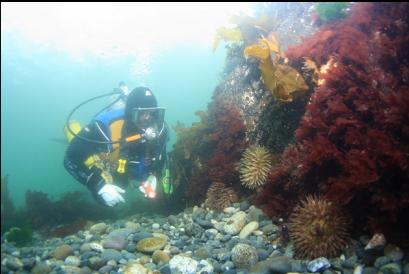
[120, 232]
[227, 266]
[370, 270]
[255, 214]
[28, 263]
[98, 229]
[136, 268]
[225, 238]
[262, 254]
[244, 205]
[140, 236]
[85, 247]
[211, 233]
[248, 229]
[202, 253]
[173, 220]
[282, 264]
[70, 269]
[181, 264]
[111, 254]
[72, 260]
[85, 270]
[96, 262]
[12, 263]
[270, 229]
[159, 257]
[381, 261]
[165, 269]
[235, 223]
[151, 244]
[155, 226]
[350, 262]
[392, 268]
[105, 269]
[62, 252]
[174, 250]
[393, 252]
[40, 268]
[318, 264]
[115, 242]
[131, 247]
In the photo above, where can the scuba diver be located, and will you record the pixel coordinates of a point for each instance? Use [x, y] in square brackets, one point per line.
[122, 144]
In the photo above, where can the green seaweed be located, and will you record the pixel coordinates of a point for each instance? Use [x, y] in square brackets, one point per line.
[332, 11]
[20, 235]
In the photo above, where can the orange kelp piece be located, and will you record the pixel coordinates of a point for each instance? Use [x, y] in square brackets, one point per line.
[281, 80]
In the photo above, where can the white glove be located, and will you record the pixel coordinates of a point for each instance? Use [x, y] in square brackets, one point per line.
[110, 194]
[150, 133]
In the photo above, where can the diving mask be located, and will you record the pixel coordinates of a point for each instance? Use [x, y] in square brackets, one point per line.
[151, 120]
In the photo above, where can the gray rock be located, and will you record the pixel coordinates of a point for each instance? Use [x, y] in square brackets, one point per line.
[99, 228]
[381, 261]
[370, 270]
[244, 205]
[41, 268]
[254, 214]
[392, 268]
[282, 264]
[262, 254]
[173, 220]
[128, 256]
[165, 269]
[85, 270]
[270, 229]
[115, 242]
[203, 223]
[350, 263]
[193, 229]
[96, 262]
[140, 236]
[318, 264]
[227, 266]
[72, 260]
[225, 238]
[328, 271]
[393, 252]
[121, 232]
[62, 251]
[105, 269]
[111, 254]
[131, 247]
[12, 263]
[28, 263]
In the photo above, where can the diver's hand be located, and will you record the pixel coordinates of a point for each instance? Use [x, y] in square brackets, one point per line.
[150, 134]
[110, 194]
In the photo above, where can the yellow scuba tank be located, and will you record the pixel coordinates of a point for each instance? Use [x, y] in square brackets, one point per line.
[75, 127]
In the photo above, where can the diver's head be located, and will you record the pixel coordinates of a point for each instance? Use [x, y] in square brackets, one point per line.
[141, 111]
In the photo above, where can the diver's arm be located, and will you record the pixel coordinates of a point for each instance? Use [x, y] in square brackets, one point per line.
[78, 152]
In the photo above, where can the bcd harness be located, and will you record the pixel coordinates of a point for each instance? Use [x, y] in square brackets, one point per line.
[111, 161]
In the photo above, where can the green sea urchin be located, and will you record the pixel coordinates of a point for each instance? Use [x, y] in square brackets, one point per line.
[220, 196]
[318, 228]
[254, 166]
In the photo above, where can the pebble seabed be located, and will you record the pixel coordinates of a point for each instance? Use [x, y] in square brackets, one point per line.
[241, 239]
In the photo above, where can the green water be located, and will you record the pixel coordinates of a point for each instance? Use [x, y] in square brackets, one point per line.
[41, 85]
